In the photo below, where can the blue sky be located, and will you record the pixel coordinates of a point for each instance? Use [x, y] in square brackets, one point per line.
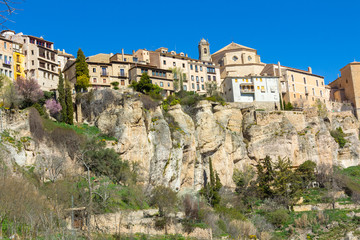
[322, 34]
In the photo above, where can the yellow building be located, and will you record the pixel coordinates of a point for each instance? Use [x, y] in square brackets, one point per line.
[19, 61]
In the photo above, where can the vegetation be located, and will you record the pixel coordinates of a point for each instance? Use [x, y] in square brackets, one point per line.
[146, 87]
[62, 99]
[339, 136]
[82, 72]
[212, 188]
[69, 104]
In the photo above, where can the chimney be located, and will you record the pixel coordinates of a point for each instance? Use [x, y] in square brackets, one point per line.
[133, 52]
[279, 69]
[122, 54]
[309, 70]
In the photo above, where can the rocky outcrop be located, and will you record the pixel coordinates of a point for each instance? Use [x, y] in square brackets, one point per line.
[174, 147]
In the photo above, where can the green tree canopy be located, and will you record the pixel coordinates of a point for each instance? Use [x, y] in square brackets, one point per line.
[61, 98]
[82, 72]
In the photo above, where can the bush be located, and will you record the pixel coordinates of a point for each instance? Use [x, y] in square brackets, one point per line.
[66, 138]
[148, 102]
[41, 109]
[241, 229]
[278, 217]
[53, 106]
[339, 136]
[36, 124]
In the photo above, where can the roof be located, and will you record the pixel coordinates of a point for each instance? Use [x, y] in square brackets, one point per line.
[233, 46]
[296, 70]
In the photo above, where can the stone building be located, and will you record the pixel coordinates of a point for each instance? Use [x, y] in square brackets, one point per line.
[346, 88]
[236, 60]
[6, 57]
[40, 59]
[252, 89]
[198, 74]
[63, 58]
[299, 87]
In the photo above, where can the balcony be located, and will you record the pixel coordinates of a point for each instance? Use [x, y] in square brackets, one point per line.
[104, 74]
[122, 74]
[246, 90]
[7, 62]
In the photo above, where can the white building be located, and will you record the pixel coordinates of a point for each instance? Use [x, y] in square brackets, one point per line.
[250, 89]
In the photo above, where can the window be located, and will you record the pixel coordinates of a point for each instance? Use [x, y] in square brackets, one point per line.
[135, 59]
[183, 65]
[1, 56]
[192, 77]
[321, 93]
[209, 78]
[122, 82]
[185, 88]
[191, 66]
[313, 90]
[304, 80]
[197, 78]
[168, 84]
[193, 86]
[292, 77]
[10, 74]
[174, 64]
[300, 96]
[201, 68]
[10, 59]
[122, 72]
[202, 87]
[164, 62]
[124, 59]
[94, 80]
[249, 58]
[293, 87]
[5, 58]
[104, 80]
[205, 51]
[210, 70]
[197, 87]
[235, 58]
[32, 52]
[214, 78]
[32, 62]
[196, 68]
[202, 79]
[161, 84]
[322, 83]
[4, 45]
[317, 82]
[103, 71]
[94, 70]
[294, 95]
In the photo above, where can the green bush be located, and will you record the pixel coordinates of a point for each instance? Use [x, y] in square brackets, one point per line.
[278, 217]
[41, 109]
[339, 136]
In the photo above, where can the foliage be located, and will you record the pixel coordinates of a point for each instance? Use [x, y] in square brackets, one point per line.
[212, 188]
[145, 86]
[41, 109]
[82, 72]
[243, 178]
[105, 161]
[339, 136]
[10, 95]
[53, 106]
[265, 177]
[61, 98]
[179, 78]
[306, 171]
[148, 102]
[29, 91]
[165, 199]
[115, 85]
[216, 98]
[288, 106]
[321, 108]
[69, 104]
[278, 217]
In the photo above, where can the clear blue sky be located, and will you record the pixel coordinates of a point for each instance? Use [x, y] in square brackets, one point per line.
[322, 34]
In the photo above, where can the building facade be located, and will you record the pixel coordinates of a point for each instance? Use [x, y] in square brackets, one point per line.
[63, 58]
[346, 88]
[6, 58]
[252, 89]
[40, 59]
[300, 88]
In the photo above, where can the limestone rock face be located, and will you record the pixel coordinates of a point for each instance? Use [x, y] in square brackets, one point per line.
[174, 148]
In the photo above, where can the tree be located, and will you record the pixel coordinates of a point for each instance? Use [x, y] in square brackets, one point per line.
[265, 177]
[165, 199]
[145, 86]
[212, 188]
[306, 172]
[8, 9]
[82, 72]
[69, 104]
[61, 98]
[211, 89]
[10, 95]
[53, 107]
[29, 90]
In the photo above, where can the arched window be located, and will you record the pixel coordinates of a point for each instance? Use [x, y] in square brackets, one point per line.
[205, 51]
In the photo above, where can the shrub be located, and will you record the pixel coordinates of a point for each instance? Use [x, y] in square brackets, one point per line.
[66, 138]
[36, 124]
[241, 229]
[278, 217]
[261, 224]
[41, 109]
[191, 207]
[53, 106]
[148, 102]
[288, 106]
[338, 136]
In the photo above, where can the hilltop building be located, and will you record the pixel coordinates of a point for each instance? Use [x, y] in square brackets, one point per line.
[346, 88]
[299, 87]
[6, 57]
[63, 58]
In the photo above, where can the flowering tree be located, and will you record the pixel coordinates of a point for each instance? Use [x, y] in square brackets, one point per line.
[53, 106]
[29, 91]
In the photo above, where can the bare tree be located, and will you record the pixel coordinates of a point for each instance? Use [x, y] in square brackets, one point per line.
[7, 9]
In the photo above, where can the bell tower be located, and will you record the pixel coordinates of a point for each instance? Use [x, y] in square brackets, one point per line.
[204, 50]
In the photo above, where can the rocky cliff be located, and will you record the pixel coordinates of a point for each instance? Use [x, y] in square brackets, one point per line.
[174, 147]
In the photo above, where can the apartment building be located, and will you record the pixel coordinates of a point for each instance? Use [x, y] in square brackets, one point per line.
[6, 57]
[19, 61]
[63, 58]
[40, 59]
[236, 60]
[301, 88]
[197, 73]
[104, 69]
[261, 89]
[161, 77]
[346, 88]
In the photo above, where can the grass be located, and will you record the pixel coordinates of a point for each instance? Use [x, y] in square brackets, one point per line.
[82, 129]
[314, 195]
[353, 173]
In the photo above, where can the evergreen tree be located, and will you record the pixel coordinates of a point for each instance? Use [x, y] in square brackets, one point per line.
[69, 104]
[212, 188]
[61, 98]
[265, 177]
[82, 72]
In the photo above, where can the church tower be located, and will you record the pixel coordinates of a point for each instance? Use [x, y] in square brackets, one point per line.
[204, 50]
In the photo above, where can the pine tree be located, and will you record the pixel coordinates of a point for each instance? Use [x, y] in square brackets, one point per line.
[212, 188]
[61, 98]
[265, 177]
[82, 72]
[69, 104]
